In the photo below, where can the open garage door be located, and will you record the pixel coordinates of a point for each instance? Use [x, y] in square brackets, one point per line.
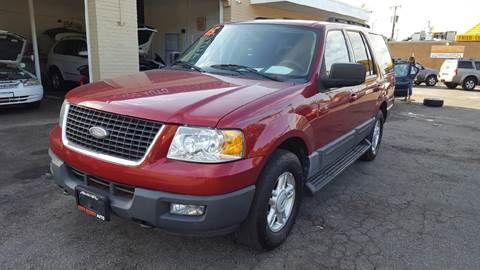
[179, 23]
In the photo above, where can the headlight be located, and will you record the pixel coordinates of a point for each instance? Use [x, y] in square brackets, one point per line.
[206, 145]
[31, 82]
[63, 111]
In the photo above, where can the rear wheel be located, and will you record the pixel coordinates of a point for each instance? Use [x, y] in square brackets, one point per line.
[56, 79]
[469, 83]
[375, 138]
[431, 80]
[275, 206]
[451, 85]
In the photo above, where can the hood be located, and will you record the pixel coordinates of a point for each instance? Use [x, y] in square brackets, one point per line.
[12, 47]
[171, 96]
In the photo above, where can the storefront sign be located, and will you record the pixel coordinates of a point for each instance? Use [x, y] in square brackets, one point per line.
[447, 51]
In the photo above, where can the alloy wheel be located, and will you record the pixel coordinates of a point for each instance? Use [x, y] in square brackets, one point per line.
[281, 202]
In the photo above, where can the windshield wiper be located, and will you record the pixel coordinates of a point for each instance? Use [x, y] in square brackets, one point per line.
[188, 65]
[241, 69]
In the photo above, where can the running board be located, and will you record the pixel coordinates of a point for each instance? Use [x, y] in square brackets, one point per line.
[317, 182]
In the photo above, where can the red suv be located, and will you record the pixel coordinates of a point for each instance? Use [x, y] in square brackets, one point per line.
[227, 139]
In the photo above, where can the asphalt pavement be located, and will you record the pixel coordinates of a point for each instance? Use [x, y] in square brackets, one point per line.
[417, 206]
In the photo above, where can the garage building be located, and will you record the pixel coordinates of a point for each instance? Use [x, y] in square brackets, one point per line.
[111, 25]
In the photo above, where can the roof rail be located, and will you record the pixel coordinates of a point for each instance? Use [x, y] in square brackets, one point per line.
[346, 21]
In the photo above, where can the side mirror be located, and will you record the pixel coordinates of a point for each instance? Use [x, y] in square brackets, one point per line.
[345, 74]
[83, 53]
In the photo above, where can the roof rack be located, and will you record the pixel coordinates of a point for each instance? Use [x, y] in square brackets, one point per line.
[346, 21]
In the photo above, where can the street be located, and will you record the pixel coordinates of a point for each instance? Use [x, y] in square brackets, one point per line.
[417, 206]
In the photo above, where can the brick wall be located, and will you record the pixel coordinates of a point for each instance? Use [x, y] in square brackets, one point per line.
[422, 51]
[113, 38]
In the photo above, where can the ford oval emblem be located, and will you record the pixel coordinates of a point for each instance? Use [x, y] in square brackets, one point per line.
[98, 132]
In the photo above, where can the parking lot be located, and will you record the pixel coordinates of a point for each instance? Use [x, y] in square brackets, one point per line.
[415, 207]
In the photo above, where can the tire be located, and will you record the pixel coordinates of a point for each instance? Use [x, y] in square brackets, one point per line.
[469, 83]
[375, 138]
[255, 231]
[56, 79]
[433, 102]
[451, 85]
[431, 80]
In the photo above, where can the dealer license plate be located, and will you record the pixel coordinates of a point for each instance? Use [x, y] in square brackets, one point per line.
[92, 203]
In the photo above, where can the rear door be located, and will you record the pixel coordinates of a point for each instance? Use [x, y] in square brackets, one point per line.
[363, 97]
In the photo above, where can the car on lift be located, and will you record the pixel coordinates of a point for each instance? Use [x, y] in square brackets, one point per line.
[17, 85]
[429, 76]
[69, 56]
[227, 139]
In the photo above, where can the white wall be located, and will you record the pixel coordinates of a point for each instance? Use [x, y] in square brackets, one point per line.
[170, 16]
[14, 18]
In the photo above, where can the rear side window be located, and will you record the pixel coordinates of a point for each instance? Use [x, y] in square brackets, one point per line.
[381, 53]
[477, 65]
[335, 50]
[70, 47]
[361, 52]
[465, 64]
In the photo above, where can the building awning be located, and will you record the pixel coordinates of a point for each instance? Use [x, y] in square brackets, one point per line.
[471, 35]
[327, 8]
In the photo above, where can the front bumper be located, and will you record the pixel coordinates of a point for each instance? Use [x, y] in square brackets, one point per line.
[20, 95]
[223, 213]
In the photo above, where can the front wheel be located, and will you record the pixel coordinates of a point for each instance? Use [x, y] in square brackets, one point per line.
[375, 138]
[275, 206]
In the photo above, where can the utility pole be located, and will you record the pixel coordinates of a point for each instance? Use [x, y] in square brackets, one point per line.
[394, 19]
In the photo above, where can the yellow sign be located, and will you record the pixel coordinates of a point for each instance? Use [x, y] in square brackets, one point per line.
[467, 38]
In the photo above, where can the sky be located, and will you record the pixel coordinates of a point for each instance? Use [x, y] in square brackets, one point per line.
[453, 15]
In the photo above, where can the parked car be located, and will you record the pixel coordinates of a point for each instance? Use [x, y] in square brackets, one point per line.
[17, 85]
[402, 78]
[69, 55]
[464, 72]
[227, 139]
[426, 75]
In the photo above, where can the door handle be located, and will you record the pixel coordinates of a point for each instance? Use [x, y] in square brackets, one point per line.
[353, 97]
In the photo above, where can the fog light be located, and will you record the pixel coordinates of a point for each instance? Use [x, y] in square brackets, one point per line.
[187, 210]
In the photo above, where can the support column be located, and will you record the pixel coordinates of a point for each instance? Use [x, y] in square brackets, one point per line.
[33, 28]
[112, 38]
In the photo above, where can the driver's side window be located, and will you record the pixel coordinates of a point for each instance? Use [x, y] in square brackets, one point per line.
[336, 50]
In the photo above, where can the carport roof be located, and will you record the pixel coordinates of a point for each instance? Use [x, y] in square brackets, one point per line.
[328, 8]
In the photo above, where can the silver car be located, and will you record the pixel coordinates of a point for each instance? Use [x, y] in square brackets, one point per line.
[426, 75]
[464, 72]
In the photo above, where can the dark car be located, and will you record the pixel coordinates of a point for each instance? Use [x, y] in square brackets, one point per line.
[229, 137]
[426, 75]
[402, 78]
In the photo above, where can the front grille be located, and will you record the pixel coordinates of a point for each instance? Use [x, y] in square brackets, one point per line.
[9, 85]
[7, 100]
[128, 138]
[107, 186]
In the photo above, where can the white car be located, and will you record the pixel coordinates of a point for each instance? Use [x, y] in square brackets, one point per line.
[69, 54]
[17, 85]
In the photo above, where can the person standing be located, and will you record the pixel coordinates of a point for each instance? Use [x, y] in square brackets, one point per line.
[412, 73]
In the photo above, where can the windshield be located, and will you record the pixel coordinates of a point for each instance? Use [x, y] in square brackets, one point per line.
[279, 51]
[401, 70]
